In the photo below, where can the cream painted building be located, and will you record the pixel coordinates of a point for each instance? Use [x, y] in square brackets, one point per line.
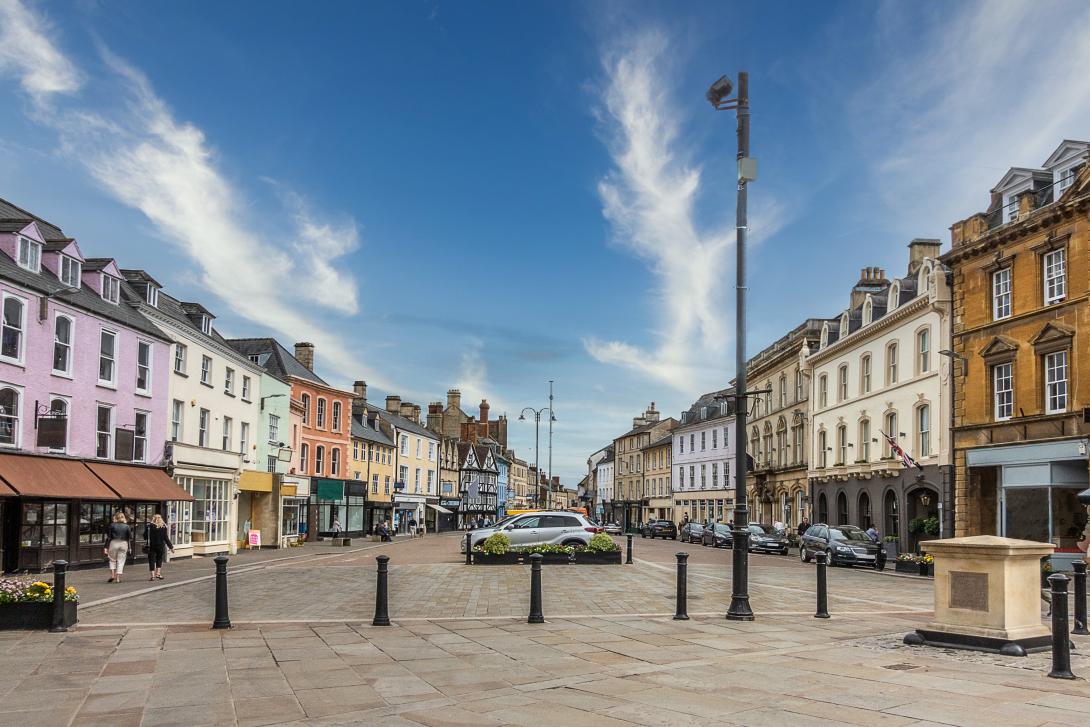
[704, 459]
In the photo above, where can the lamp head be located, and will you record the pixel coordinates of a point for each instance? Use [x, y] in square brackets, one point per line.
[719, 91]
[522, 417]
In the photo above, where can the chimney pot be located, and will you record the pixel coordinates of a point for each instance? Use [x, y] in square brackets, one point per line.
[454, 398]
[304, 354]
[393, 404]
[484, 411]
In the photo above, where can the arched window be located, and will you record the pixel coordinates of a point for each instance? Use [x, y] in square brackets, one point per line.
[823, 451]
[320, 414]
[865, 518]
[798, 506]
[304, 456]
[14, 325]
[891, 430]
[824, 335]
[868, 311]
[894, 296]
[923, 350]
[305, 399]
[841, 445]
[783, 390]
[782, 447]
[823, 391]
[864, 374]
[755, 446]
[844, 325]
[334, 461]
[842, 383]
[891, 363]
[768, 448]
[842, 509]
[923, 430]
[864, 440]
[59, 407]
[62, 345]
[891, 514]
[319, 460]
[9, 417]
[924, 285]
[823, 509]
[336, 416]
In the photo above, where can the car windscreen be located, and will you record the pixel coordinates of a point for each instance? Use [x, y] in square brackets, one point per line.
[848, 534]
[761, 529]
[722, 529]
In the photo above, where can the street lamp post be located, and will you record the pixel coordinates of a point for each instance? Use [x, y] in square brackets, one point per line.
[537, 443]
[946, 500]
[719, 96]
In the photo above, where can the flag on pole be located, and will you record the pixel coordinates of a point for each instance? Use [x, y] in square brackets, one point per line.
[905, 457]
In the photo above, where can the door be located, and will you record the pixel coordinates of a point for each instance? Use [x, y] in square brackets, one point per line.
[525, 531]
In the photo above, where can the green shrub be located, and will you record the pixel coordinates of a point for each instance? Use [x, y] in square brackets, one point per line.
[601, 543]
[496, 544]
[543, 549]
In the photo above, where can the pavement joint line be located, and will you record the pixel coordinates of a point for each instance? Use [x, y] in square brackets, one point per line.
[423, 619]
[239, 570]
[660, 566]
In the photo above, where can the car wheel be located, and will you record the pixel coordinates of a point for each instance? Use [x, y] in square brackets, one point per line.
[573, 543]
[804, 555]
[674, 537]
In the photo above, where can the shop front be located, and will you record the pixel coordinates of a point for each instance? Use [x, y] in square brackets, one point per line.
[1029, 491]
[257, 517]
[339, 504]
[406, 508]
[293, 494]
[438, 517]
[448, 520]
[59, 509]
[203, 524]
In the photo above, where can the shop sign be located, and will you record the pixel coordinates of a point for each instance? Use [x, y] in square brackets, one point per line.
[330, 489]
[455, 503]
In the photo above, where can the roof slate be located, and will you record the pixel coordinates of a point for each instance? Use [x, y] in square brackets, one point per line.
[275, 358]
[360, 430]
[9, 213]
[402, 423]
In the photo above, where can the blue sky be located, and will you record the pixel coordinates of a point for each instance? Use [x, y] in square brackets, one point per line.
[489, 195]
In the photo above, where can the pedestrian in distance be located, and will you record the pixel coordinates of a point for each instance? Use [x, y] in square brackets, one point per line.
[803, 527]
[336, 528]
[118, 536]
[872, 532]
[157, 535]
[412, 527]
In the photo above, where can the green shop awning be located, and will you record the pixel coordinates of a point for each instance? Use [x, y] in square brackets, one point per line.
[330, 489]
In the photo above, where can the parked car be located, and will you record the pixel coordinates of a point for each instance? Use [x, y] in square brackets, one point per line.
[614, 528]
[766, 539]
[658, 528]
[844, 545]
[692, 532]
[718, 536]
[548, 527]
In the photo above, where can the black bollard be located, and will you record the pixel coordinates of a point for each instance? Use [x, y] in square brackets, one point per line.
[822, 588]
[1061, 646]
[469, 553]
[382, 608]
[60, 567]
[1080, 599]
[628, 558]
[682, 610]
[222, 621]
[536, 617]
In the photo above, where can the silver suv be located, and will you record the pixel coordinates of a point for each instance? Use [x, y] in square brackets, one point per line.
[552, 527]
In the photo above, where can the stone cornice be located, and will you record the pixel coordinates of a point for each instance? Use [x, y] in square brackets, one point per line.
[919, 304]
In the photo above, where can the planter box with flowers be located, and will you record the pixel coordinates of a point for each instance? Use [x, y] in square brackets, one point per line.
[497, 550]
[917, 565]
[29, 605]
[600, 551]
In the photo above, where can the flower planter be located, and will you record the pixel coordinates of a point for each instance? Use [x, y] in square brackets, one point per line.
[33, 615]
[891, 549]
[504, 559]
[598, 558]
[907, 566]
[549, 558]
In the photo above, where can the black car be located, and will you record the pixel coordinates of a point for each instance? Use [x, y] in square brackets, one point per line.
[766, 539]
[718, 536]
[692, 532]
[844, 545]
[658, 528]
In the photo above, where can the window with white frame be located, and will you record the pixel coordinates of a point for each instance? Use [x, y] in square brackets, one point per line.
[245, 388]
[335, 462]
[14, 329]
[60, 407]
[70, 271]
[319, 459]
[320, 413]
[30, 254]
[10, 416]
[892, 431]
[304, 457]
[1065, 179]
[418, 447]
[841, 444]
[177, 418]
[143, 367]
[1001, 294]
[228, 426]
[1056, 382]
[1003, 390]
[111, 289]
[211, 507]
[715, 475]
[703, 476]
[179, 358]
[107, 358]
[229, 380]
[783, 390]
[404, 445]
[274, 428]
[151, 295]
[206, 370]
[864, 440]
[104, 431]
[1055, 276]
[823, 390]
[703, 441]
[823, 451]
[864, 374]
[244, 438]
[336, 416]
[798, 386]
[63, 329]
[923, 430]
[305, 400]
[715, 439]
[203, 422]
[431, 451]
[206, 325]
[140, 437]
[923, 351]
[891, 363]
[1010, 209]
[842, 383]
[681, 476]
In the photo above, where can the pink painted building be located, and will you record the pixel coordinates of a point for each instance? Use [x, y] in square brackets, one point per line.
[82, 375]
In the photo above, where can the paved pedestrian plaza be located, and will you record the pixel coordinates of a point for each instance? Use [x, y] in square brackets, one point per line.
[459, 652]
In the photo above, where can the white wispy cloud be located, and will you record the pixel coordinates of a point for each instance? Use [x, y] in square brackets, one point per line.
[650, 198]
[983, 87]
[27, 53]
[142, 155]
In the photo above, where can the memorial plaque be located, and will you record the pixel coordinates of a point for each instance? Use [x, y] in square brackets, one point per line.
[969, 590]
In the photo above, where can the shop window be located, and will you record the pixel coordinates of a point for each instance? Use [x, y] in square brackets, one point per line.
[210, 508]
[94, 519]
[44, 525]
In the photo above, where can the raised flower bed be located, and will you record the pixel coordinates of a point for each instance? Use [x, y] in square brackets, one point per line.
[497, 550]
[26, 604]
[913, 564]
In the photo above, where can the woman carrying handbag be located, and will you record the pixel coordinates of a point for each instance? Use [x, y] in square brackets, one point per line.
[118, 536]
[157, 535]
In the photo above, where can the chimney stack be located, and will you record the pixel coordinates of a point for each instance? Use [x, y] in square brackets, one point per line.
[393, 404]
[406, 410]
[304, 354]
[919, 249]
[359, 401]
[454, 398]
[435, 417]
[484, 412]
[416, 413]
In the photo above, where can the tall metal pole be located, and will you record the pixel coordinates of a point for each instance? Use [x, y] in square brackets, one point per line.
[537, 457]
[550, 436]
[739, 602]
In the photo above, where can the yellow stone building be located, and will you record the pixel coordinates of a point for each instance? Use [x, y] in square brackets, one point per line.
[657, 461]
[373, 463]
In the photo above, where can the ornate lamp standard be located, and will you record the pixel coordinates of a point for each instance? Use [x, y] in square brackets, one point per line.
[536, 413]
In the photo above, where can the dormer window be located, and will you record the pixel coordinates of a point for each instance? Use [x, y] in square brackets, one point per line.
[824, 336]
[111, 289]
[1010, 208]
[844, 325]
[894, 296]
[30, 255]
[206, 325]
[70, 271]
[152, 296]
[924, 285]
[1064, 179]
[868, 311]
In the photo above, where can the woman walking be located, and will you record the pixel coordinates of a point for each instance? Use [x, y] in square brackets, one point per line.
[158, 536]
[117, 545]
